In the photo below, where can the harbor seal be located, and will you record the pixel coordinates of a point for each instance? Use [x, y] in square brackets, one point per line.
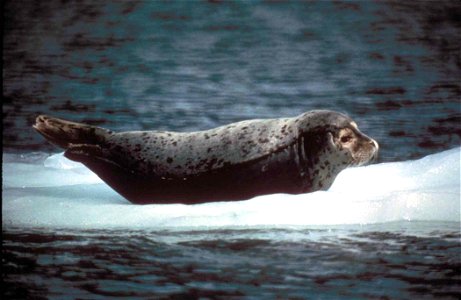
[232, 162]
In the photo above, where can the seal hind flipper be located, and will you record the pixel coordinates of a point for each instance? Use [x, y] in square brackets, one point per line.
[82, 153]
[88, 154]
[115, 175]
[64, 133]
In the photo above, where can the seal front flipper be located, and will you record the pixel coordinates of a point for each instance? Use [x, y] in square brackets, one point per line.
[64, 133]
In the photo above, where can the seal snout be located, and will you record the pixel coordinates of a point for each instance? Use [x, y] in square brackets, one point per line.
[374, 150]
[375, 154]
[366, 150]
[375, 143]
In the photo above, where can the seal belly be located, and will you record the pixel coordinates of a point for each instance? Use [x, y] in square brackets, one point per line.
[274, 173]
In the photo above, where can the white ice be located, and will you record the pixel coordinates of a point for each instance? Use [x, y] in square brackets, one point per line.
[59, 193]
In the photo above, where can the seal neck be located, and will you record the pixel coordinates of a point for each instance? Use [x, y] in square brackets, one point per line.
[316, 170]
[302, 164]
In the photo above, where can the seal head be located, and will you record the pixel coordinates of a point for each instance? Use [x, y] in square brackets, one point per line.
[332, 142]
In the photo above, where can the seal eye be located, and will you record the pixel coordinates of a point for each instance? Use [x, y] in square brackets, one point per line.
[346, 138]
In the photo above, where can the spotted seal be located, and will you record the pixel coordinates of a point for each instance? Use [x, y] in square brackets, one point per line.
[232, 162]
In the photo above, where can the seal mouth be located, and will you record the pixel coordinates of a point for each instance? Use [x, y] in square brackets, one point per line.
[368, 154]
[374, 157]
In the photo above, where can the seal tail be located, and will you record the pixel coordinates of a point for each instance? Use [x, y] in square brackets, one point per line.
[66, 134]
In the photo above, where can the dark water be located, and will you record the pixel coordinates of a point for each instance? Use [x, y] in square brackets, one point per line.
[353, 263]
[394, 66]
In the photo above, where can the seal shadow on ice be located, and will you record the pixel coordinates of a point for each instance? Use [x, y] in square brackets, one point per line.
[232, 162]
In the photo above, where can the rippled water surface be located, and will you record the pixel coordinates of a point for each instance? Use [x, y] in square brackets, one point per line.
[192, 65]
[394, 66]
[348, 262]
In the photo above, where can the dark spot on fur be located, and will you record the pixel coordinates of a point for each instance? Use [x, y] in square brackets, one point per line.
[169, 160]
[245, 151]
[241, 136]
[212, 162]
[283, 131]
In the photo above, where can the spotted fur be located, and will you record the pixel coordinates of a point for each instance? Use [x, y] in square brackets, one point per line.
[231, 162]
